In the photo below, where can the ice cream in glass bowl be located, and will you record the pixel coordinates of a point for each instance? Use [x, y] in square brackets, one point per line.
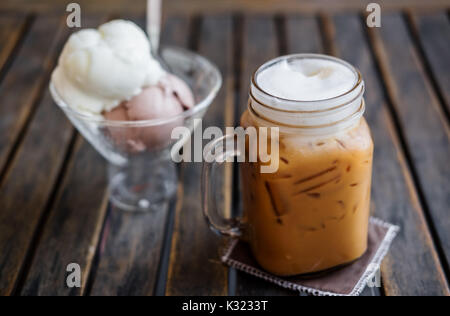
[126, 105]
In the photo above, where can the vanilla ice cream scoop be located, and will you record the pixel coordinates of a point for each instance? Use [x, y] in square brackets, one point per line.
[99, 69]
[307, 79]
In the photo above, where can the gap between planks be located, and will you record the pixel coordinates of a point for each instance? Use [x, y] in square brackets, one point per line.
[413, 28]
[221, 113]
[410, 171]
[13, 45]
[68, 161]
[19, 36]
[236, 71]
[49, 64]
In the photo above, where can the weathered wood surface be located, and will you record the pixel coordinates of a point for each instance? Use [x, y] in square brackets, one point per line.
[394, 197]
[433, 31]
[23, 193]
[25, 79]
[303, 35]
[130, 252]
[11, 29]
[222, 6]
[73, 228]
[423, 125]
[131, 246]
[195, 267]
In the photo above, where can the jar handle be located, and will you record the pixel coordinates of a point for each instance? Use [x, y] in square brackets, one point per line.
[228, 227]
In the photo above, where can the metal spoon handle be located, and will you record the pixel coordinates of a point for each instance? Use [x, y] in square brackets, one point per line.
[154, 13]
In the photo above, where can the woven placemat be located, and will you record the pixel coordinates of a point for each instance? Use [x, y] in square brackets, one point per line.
[346, 281]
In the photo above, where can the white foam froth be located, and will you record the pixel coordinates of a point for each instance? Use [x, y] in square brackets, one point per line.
[308, 90]
[308, 79]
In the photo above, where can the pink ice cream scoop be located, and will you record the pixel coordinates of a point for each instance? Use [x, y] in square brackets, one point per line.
[169, 98]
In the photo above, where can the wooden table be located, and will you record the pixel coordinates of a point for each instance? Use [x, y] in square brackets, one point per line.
[53, 195]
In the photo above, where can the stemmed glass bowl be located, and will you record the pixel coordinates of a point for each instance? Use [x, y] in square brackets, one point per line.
[143, 178]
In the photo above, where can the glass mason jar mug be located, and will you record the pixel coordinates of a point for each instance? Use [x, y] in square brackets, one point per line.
[312, 214]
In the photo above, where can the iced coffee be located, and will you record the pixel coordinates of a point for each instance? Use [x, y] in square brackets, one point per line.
[312, 214]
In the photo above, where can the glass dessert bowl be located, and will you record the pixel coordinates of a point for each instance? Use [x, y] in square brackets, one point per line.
[141, 171]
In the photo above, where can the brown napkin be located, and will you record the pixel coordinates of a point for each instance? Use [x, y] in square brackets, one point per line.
[347, 281]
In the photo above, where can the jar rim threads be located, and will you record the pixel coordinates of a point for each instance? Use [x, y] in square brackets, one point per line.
[314, 114]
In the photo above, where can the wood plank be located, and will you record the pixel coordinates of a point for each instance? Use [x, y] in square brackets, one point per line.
[425, 130]
[131, 248]
[223, 6]
[412, 266]
[25, 80]
[303, 35]
[23, 195]
[11, 31]
[195, 267]
[433, 31]
[259, 46]
[40, 157]
[130, 253]
[71, 228]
